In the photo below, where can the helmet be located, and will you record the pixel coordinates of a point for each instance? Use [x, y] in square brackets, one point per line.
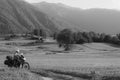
[18, 51]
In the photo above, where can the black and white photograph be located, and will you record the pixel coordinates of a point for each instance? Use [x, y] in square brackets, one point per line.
[59, 39]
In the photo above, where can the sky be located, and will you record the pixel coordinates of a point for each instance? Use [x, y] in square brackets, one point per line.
[85, 4]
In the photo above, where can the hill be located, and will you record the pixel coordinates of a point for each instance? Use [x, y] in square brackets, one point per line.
[98, 20]
[18, 16]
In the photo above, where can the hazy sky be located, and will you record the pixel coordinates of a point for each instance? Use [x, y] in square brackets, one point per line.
[85, 4]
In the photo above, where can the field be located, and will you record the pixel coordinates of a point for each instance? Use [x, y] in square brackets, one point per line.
[16, 74]
[48, 59]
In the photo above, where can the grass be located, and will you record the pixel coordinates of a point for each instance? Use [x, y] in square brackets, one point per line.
[56, 75]
[74, 65]
[17, 74]
[75, 74]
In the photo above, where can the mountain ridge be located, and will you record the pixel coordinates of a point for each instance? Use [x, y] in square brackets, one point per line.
[18, 16]
[98, 20]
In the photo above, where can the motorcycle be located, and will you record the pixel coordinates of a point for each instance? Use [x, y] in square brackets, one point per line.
[16, 62]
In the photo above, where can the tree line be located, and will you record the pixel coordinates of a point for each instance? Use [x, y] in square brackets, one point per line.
[67, 37]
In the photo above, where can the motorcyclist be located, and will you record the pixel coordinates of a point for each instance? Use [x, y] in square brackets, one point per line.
[22, 59]
[17, 52]
[20, 55]
[19, 58]
[16, 58]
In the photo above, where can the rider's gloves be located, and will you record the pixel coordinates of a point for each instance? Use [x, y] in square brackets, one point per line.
[24, 58]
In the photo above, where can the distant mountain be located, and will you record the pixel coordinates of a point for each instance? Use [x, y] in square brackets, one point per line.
[18, 16]
[98, 20]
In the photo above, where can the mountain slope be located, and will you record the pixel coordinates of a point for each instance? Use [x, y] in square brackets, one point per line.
[17, 16]
[98, 20]
[57, 12]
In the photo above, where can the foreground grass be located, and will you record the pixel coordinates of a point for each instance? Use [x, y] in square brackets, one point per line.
[58, 75]
[17, 74]
[80, 73]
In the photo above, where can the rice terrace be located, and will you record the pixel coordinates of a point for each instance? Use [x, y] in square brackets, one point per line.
[59, 40]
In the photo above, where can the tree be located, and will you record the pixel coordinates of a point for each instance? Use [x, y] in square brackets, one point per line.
[118, 35]
[115, 40]
[102, 37]
[42, 33]
[54, 35]
[79, 38]
[39, 32]
[35, 31]
[87, 36]
[107, 38]
[95, 37]
[65, 39]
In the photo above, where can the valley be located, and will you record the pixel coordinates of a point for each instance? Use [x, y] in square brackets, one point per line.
[99, 57]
